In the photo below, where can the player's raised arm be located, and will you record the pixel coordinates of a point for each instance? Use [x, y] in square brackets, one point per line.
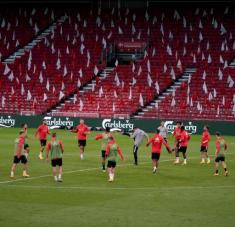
[126, 134]
[107, 150]
[146, 135]
[48, 132]
[98, 136]
[149, 142]
[120, 153]
[74, 130]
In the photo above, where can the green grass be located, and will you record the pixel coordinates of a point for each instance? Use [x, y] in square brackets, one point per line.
[176, 196]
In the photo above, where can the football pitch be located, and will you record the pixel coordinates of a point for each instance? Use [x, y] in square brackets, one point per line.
[176, 196]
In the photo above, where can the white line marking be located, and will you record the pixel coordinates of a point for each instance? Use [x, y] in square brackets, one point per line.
[68, 172]
[58, 186]
[82, 170]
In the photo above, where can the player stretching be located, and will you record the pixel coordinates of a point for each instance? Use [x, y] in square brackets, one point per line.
[157, 140]
[19, 155]
[82, 130]
[56, 149]
[42, 131]
[138, 136]
[221, 146]
[163, 131]
[204, 145]
[24, 128]
[104, 136]
[183, 144]
[112, 150]
[176, 134]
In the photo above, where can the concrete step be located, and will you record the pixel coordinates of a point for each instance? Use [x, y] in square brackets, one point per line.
[166, 93]
[175, 86]
[34, 42]
[87, 88]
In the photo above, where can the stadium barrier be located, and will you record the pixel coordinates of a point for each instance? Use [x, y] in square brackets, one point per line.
[194, 127]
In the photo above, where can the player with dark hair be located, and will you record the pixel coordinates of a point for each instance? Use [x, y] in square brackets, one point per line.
[105, 139]
[204, 145]
[42, 131]
[55, 148]
[176, 135]
[138, 137]
[183, 144]
[221, 146]
[20, 155]
[112, 151]
[24, 128]
[157, 140]
[82, 130]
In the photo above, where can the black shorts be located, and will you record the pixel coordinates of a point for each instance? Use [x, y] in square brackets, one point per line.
[203, 149]
[103, 153]
[43, 143]
[111, 164]
[220, 158]
[155, 156]
[21, 159]
[81, 143]
[182, 149]
[56, 162]
[26, 146]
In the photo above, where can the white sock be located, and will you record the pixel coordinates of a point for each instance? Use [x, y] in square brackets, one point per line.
[185, 160]
[26, 155]
[59, 176]
[154, 168]
[203, 159]
[81, 156]
[208, 159]
[112, 176]
[12, 174]
[55, 178]
[177, 159]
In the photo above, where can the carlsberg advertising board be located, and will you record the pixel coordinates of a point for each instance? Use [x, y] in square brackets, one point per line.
[193, 127]
[189, 126]
[116, 124]
[57, 122]
[7, 121]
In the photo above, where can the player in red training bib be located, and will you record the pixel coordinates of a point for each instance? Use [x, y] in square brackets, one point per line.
[82, 130]
[157, 140]
[183, 144]
[19, 155]
[42, 132]
[204, 145]
[176, 135]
